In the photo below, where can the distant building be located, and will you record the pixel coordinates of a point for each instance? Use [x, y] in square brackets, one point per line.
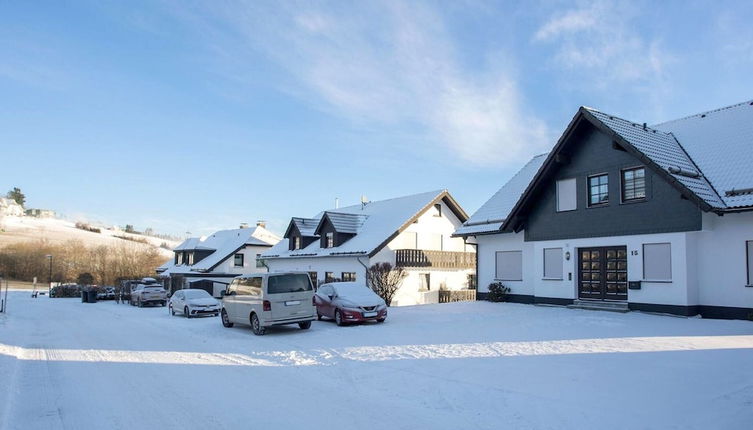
[9, 207]
[412, 232]
[211, 262]
[40, 213]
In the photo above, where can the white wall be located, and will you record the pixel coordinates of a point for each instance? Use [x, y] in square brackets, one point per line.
[430, 226]
[721, 263]
[249, 262]
[320, 265]
[488, 245]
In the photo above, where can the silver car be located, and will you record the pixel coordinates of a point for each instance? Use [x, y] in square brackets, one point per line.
[269, 299]
[194, 302]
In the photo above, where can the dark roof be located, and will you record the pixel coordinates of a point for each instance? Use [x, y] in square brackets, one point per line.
[342, 222]
[306, 226]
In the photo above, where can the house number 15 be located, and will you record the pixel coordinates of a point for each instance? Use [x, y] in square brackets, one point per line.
[633, 252]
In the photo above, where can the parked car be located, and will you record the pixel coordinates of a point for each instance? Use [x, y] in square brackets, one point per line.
[145, 294]
[194, 302]
[269, 299]
[349, 302]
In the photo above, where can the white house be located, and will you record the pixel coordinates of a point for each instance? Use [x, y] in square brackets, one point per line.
[413, 232]
[211, 262]
[622, 214]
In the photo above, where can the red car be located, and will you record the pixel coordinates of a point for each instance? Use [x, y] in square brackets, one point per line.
[349, 302]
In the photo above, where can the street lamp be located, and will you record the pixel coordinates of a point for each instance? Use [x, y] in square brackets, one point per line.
[49, 284]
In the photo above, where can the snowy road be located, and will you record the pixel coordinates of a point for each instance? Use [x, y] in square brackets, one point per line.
[70, 365]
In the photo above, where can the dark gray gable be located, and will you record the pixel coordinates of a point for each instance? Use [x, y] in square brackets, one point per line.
[561, 154]
[590, 152]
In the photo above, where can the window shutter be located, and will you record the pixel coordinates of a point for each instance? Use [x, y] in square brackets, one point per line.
[657, 262]
[553, 263]
[509, 265]
[566, 195]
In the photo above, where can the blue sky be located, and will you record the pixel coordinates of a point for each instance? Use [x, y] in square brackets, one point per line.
[196, 116]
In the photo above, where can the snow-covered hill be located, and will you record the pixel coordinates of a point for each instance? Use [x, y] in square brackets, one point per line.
[23, 229]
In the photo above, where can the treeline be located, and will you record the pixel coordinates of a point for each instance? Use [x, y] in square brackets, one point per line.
[107, 263]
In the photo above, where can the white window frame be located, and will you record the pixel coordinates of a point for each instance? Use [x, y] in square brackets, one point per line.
[560, 265]
[646, 279]
[496, 265]
[575, 194]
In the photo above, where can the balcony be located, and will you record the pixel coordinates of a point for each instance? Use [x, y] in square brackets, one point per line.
[435, 259]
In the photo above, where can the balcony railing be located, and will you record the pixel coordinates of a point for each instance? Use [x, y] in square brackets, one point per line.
[435, 259]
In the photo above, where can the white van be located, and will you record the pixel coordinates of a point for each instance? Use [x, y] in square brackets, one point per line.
[268, 299]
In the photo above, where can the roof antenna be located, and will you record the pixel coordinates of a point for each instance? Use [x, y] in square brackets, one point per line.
[337, 203]
[644, 125]
[364, 201]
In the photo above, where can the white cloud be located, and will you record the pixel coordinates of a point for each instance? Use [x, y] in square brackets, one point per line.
[602, 38]
[389, 65]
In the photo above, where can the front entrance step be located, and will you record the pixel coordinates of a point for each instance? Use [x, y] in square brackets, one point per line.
[598, 305]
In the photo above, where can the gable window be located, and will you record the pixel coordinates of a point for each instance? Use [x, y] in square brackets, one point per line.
[598, 190]
[657, 262]
[509, 265]
[348, 276]
[566, 195]
[238, 260]
[553, 263]
[438, 210]
[749, 254]
[633, 184]
[259, 261]
[329, 240]
[297, 242]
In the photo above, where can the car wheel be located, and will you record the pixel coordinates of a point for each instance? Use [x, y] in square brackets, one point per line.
[185, 312]
[172, 311]
[225, 320]
[256, 326]
[163, 304]
[304, 325]
[339, 318]
[380, 320]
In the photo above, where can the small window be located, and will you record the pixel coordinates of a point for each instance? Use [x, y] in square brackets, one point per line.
[190, 258]
[329, 276]
[566, 195]
[749, 252]
[633, 184]
[179, 258]
[438, 209]
[329, 240]
[598, 190]
[553, 263]
[509, 265]
[297, 242]
[259, 261]
[424, 281]
[314, 279]
[238, 260]
[348, 276]
[657, 262]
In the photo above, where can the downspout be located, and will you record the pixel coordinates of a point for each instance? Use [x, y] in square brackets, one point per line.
[366, 268]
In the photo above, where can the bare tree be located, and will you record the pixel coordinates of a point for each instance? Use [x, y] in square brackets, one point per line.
[385, 280]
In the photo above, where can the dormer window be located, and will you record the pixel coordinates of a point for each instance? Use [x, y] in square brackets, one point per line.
[329, 240]
[190, 258]
[297, 242]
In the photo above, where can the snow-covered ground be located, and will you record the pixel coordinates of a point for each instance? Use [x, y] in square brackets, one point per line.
[67, 364]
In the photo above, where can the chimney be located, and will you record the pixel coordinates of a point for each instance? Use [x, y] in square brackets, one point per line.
[337, 203]
[261, 223]
[244, 225]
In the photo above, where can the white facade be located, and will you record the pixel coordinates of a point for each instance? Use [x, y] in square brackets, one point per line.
[708, 267]
[430, 233]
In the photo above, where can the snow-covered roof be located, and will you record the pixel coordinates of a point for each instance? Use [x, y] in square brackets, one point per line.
[663, 148]
[720, 142]
[373, 224]
[223, 243]
[491, 215]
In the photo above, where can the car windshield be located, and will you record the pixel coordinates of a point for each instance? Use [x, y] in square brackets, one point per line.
[196, 294]
[354, 291]
[292, 283]
[153, 287]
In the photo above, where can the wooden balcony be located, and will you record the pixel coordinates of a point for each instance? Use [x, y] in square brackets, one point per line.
[435, 259]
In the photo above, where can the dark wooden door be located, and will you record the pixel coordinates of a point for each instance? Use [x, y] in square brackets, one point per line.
[602, 273]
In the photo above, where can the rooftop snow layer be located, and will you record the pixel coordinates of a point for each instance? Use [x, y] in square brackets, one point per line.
[380, 220]
[664, 150]
[720, 142]
[490, 216]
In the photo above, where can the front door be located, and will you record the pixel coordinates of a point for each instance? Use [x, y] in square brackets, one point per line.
[602, 273]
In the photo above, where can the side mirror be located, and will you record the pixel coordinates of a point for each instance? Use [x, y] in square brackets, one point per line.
[222, 293]
[331, 296]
